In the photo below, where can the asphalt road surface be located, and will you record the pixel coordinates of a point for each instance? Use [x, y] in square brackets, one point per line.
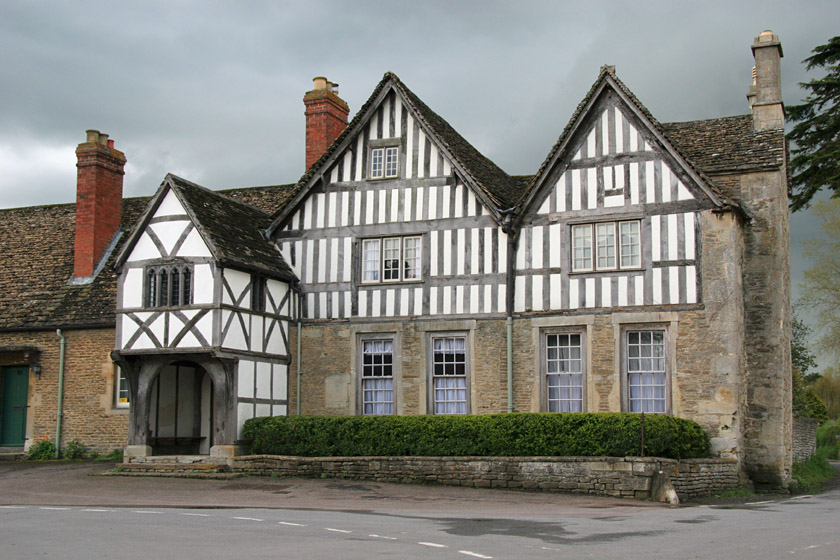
[57, 511]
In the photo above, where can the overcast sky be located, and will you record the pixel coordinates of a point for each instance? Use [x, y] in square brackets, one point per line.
[212, 91]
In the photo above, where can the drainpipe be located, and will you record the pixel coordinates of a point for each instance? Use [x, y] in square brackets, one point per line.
[298, 356]
[60, 413]
[510, 281]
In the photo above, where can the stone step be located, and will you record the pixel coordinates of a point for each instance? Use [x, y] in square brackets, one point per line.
[179, 469]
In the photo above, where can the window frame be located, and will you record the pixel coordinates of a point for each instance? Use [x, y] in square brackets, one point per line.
[595, 249]
[381, 260]
[584, 351]
[430, 340]
[257, 297]
[384, 170]
[360, 371]
[119, 378]
[159, 277]
[625, 357]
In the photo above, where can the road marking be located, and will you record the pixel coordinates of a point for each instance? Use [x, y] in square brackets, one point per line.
[336, 530]
[55, 508]
[196, 514]
[290, 524]
[802, 497]
[98, 510]
[247, 518]
[147, 512]
[759, 503]
[13, 507]
[474, 554]
[383, 537]
[436, 545]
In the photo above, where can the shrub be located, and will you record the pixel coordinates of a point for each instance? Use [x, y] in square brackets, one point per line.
[519, 434]
[74, 450]
[41, 450]
[809, 475]
[827, 439]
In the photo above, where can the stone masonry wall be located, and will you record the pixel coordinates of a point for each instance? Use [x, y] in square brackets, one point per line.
[804, 437]
[89, 394]
[629, 477]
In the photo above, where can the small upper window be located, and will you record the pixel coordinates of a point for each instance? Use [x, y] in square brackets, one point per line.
[120, 389]
[168, 285]
[606, 246]
[384, 162]
[391, 259]
[258, 285]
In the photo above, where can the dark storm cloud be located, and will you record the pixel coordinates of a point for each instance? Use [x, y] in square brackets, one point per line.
[212, 90]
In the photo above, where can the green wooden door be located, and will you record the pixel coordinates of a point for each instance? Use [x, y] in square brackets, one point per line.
[13, 405]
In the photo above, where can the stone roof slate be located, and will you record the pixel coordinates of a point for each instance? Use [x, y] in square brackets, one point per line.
[36, 243]
[232, 228]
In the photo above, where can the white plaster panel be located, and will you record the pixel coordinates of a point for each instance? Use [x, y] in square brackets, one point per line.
[144, 249]
[245, 379]
[235, 338]
[556, 291]
[275, 340]
[158, 327]
[132, 292]
[170, 206]
[244, 411]
[205, 327]
[279, 390]
[257, 324]
[238, 282]
[519, 294]
[263, 380]
[278, 291]
[188, 341]
[169, 232]
[263, 409]
[202, 284]
[194, 246]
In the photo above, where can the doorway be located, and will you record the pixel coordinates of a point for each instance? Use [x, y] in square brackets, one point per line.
[181, 411]
[15, 387]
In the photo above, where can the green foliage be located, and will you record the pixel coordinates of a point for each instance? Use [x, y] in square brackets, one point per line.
[801, 356]
[816, 155]
[827, 388]
[736, 492]
[805, 400]
[113, 456]
[74, 450]
[827, 439]
[494, 435]
[809, 476]
[41, 450]
[820, 289]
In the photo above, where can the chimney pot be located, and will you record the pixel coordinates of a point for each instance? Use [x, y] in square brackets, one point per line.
[326, 118]
[100, 170]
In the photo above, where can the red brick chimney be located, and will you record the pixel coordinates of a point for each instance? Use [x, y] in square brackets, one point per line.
[326, 118]
[99, 186]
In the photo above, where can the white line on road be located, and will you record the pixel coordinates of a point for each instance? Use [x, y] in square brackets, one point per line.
[336, 530]
[436, 545]
[55, 508]
[473, 554]
[195, 514]
[147, 512]
[759, 503]
[383, 537]
[98, 510]
[247, 518]
[12, 507]
[290, 524]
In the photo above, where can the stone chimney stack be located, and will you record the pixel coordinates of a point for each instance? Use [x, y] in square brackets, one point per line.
[99, 187]
[326, 118]
[765, 95]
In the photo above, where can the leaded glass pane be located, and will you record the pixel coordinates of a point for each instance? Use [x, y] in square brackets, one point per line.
[582, 247]
[630, 245]
[646, 377]
[605, 234]
[564, 369]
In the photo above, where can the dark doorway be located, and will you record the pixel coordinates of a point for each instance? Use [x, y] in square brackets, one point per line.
[15, 389]
[181, 411]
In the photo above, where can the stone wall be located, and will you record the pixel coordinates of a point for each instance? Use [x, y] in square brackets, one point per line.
[804, 437]
[628, 477]
[90, 415]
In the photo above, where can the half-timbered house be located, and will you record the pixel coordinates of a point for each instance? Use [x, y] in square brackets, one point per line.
[642, 268]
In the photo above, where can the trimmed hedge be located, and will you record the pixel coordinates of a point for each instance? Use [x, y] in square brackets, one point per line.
[486, 435]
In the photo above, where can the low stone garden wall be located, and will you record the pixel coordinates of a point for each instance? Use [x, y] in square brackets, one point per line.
[632, 477]
[804, 437]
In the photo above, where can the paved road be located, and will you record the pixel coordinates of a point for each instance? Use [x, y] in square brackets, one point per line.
[315, 519]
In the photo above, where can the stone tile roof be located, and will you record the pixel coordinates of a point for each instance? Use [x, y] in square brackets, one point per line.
[502, 190]
[728, 144]
[232, 228]
[37, 247]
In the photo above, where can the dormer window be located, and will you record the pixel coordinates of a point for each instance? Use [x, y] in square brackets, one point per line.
[384, 162]
[168, 285]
